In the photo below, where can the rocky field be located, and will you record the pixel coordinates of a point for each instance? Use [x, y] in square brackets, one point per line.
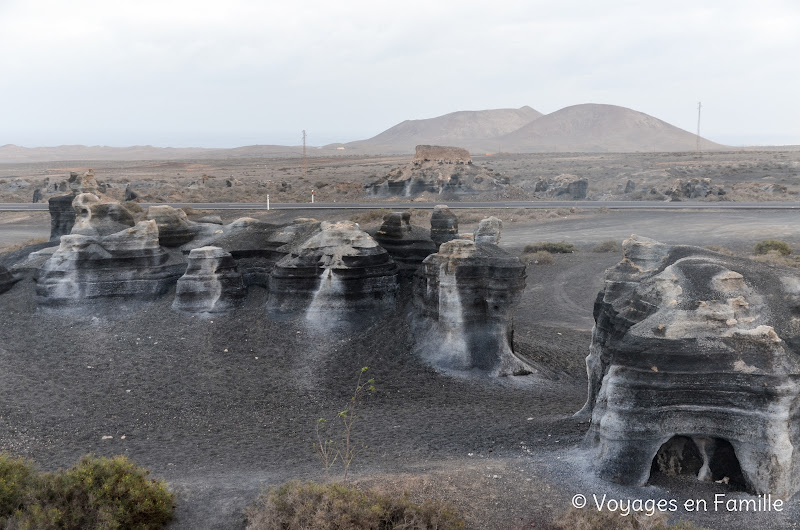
[734, 175]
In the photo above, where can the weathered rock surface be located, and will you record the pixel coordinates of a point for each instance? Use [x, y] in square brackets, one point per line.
[211, 282]
[341, 269]
[95, 216]
[570, 187]
[463, 298]
[85, 183]
[407, 244]
[255, 245]
[174, 228]
[439, 170]
[702, 346]
[444, 225]
[127, 265]
[7, 280]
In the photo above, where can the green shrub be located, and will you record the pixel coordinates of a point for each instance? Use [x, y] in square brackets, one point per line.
[106, 493]
[762, 247]
[296, 505]
[606, 246]
[553, 248]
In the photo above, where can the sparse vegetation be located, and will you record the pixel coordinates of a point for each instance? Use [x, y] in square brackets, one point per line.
[606, 246]
[369, 216]
[540, 257]
[763, 247]
[553, 248]
[22, 244]
[106, 493]
[591, 519]
[720, 250]
[296, 505]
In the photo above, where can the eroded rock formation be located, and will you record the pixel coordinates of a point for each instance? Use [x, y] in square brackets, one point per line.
[407, 244]
[693, 344]
[95, 216]
[339, 269]
[488, 231]
[463, 297]
[126, 265]
[439, 170]
[211, 282]
[444, 225]
[174, 228]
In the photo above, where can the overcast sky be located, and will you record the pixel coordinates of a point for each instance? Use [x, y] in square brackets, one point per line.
[226, 73]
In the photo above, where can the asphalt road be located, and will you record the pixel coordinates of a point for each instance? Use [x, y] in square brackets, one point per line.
[611, 205]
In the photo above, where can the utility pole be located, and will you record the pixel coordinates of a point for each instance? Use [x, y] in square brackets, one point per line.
[305, 162]
[699, 106]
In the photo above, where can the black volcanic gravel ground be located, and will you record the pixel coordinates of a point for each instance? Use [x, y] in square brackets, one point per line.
[220, 406]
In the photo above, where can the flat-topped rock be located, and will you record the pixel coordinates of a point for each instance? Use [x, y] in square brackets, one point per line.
[339, 269]
[438, 170]
[211, 283]
[126, 265]
[694, 354]
[463, 298]
[407, 244]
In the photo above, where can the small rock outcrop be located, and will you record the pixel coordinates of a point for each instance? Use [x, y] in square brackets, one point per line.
[130, 193]
[62, 215]
[694, 363]
[127, 265]
[341, 269]
[570, 187]
[463, 297]
[407, 244]
[694, 188]
[440, 170]
[444, 225]
[211, 282]
[85, 183]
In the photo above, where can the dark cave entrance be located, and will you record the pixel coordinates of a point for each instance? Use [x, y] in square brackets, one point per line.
[682, 456]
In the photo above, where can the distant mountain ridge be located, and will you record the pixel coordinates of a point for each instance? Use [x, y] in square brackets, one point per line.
[588, 127]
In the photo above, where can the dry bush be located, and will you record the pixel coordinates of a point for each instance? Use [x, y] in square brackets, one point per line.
[103, 493]
[606, 246]
[369, 216]
[763, 247]
[553, 248]
[777, 259]
[591, 519]
[296, 505]
[720, 250]
[540, 257]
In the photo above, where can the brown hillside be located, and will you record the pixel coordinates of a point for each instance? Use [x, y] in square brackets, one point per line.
[597, 128]
[466, 129]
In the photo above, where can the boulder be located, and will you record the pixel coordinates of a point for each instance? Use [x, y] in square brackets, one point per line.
[463, 297]
[696, 353]
[407, 244]
[211, 283]
[130, 194]
[127, 265]
[694, 188]
[85, 183]
[95, 216]
[339, 270]
[444, 225]
[37, 195]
